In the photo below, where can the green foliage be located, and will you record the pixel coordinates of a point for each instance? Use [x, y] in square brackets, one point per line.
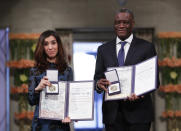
[22, 49]
[16, 73]
[169, 47]
[170, 75]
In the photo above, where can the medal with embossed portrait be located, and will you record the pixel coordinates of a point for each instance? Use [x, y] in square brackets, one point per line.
[52, 87]
[113, 88]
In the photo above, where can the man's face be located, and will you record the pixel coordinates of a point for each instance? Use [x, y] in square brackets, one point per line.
[123, 25]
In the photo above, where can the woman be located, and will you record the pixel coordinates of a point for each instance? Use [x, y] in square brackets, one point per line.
[49, 54]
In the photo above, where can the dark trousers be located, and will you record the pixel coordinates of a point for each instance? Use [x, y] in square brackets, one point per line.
[121, 124]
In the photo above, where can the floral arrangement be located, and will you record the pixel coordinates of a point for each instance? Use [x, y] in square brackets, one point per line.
[167, 35]
[24, 36]
[19, 89]
[170, 88]
[24, 115]
[24, 118]
[173, 62]
[23, 63]
[169, 53]
[22, 48]
[171, 114]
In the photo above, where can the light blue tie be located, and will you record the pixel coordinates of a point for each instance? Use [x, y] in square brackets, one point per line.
[121, 54]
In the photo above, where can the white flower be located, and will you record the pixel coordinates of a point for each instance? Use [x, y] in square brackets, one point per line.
[173, 75]
[23, 77]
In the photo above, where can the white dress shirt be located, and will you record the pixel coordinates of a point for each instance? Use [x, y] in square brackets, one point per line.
[126, 47]
[118, 47]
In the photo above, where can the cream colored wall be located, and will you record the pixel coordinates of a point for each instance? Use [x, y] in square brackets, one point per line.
[38, 15]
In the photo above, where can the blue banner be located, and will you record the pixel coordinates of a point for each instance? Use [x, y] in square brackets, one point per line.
[4, 55]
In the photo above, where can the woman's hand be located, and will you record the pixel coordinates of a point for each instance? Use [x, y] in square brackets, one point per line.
[66, 120]
[43, 83]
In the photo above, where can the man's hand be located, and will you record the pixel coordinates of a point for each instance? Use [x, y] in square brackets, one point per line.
[134, 97]
[102, 83]
[66, 120]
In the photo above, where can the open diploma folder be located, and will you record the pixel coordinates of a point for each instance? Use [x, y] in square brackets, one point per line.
[75, 100]
[138, 79]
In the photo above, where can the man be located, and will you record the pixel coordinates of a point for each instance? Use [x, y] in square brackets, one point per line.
[134, 113]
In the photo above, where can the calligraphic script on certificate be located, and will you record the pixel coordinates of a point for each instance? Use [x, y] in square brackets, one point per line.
[138, 79]
[75, 100]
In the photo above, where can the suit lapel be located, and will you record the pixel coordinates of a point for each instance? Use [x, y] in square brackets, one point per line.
[131, 51]
[113, 52]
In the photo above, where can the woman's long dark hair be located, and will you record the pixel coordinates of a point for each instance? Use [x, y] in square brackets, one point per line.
[40, 56]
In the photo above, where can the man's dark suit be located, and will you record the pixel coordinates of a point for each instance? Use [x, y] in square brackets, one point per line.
[138, 111]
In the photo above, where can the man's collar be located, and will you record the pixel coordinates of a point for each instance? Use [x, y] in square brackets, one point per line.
[128, 40]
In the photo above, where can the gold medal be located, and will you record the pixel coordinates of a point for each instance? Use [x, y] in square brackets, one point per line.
[52, 88]
[113, 88]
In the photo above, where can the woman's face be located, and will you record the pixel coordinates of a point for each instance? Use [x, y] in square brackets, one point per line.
[51, 48]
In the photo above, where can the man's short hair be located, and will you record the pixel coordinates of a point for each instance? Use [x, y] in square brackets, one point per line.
[125, 10]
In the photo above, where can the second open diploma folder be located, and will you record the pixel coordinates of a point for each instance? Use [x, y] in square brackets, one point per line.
[138, 79]
[75, 100]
